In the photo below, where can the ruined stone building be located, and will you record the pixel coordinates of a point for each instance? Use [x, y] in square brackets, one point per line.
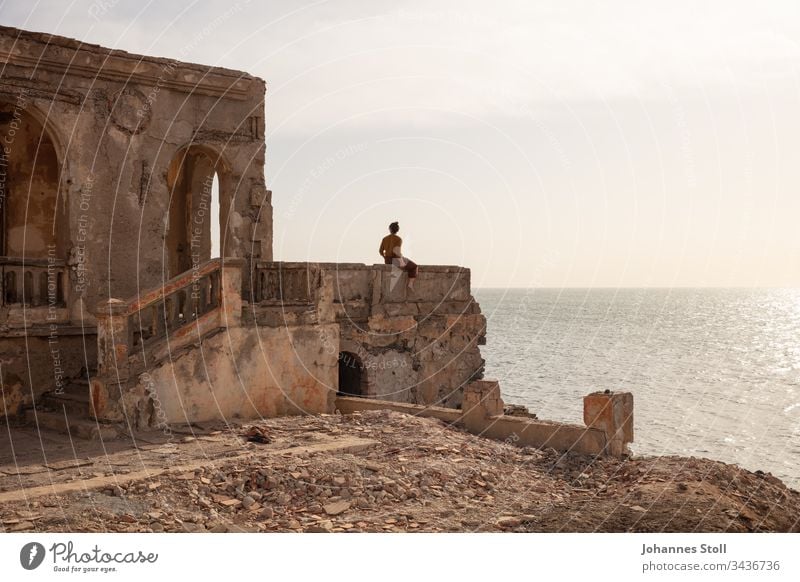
[123, 302]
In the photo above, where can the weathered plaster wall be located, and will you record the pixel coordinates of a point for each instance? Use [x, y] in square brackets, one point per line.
[243, 373]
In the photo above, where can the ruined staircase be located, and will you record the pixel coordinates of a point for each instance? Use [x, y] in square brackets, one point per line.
[150, 329]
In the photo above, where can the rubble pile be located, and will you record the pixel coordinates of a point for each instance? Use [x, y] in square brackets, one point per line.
[398, 473]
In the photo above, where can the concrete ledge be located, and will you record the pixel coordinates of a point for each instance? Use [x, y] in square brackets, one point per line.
[356, 266]
[46, 331]
[522, 432]
[525, 432]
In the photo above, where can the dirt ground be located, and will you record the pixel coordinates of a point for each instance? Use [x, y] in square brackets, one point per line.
[371, 472]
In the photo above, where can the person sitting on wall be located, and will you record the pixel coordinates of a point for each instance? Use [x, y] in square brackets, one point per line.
[391, 252]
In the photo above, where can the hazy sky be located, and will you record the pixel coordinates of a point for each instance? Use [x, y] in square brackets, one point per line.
[539, 143]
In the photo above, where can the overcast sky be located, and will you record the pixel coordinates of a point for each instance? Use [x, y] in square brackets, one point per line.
[540, 143]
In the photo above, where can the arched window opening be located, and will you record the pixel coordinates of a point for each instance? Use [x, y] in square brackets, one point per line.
[195, 223]
[216, 240]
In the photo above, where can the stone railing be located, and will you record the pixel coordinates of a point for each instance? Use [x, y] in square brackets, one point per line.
[146, 328]
[354, 291]
[33, 282]
[358, 292]
[285, 283]
[184, 299]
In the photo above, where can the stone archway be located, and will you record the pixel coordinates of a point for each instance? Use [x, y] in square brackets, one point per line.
[31, 218]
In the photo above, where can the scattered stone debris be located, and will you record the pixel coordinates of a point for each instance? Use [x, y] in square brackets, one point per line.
[256, 434]
[418, 475]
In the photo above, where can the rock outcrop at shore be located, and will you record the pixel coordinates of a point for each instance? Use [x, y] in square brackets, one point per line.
[384, 471]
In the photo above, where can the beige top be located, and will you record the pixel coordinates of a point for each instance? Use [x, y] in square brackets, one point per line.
[390, 246]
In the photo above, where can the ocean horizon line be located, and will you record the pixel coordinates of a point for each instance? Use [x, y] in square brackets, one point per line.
[609, 287]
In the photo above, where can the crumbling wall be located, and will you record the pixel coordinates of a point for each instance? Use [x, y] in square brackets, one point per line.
[423, 362]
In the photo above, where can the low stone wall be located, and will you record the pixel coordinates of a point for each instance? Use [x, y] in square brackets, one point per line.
[523, 432]
[482, 415]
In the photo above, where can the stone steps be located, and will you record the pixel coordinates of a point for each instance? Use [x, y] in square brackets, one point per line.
[75, 427]
[68, 412]
[74, 399]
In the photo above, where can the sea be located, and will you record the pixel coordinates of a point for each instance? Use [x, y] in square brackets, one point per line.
[715, 373]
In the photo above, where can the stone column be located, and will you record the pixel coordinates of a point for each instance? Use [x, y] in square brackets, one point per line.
[482, 400]
[611, 412]
[231, 288]
[112, 360]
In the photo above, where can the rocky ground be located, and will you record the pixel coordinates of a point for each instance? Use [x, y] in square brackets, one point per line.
[370, 472]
